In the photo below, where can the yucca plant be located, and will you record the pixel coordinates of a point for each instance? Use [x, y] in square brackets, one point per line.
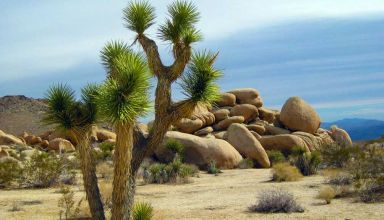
[123, 98]
[76, 117]
[142, 211]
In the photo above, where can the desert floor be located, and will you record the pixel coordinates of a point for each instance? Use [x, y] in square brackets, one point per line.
[226, 196]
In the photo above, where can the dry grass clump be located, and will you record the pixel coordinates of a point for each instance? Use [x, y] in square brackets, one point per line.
[285, 172]
[326, 193]
[276, 200]
[105, 170]
[246, 163]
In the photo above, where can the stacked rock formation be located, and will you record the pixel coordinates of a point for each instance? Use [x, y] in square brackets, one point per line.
[240, 119]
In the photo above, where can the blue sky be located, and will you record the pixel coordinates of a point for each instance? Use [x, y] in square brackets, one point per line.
[331, 53]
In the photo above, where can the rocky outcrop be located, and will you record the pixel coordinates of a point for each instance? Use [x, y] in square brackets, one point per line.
[226, 99]
[221, 114]
[224, 124]
[8, 139]
[247, 96]
[340, 136]
[104, 134]
[282, 142]
[248, 111]
[297, 115]
[245, 142]
[200, 151]
[189, 126]
[61, 145]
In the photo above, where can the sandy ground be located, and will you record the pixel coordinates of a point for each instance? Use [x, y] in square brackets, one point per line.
[226, 196]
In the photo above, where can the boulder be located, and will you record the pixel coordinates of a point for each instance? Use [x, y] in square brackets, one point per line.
[226, 99]
[200, 151]
[45, 135]
[256, 128]
[247, 96]
[224, 124]
[44, 144]
[204, 131]
[297, 115]
[3, 153]
[246, 143]
[221, 114]
[272, 130]
[282, 142]
[248, 111]
[8, 139]
[32, 139]
[340, 136]
[189, 126]
[61, 145]
[220, 134]
[110, 141]
[207, 118]
[256, 135]
[267, 115]
[104, 134]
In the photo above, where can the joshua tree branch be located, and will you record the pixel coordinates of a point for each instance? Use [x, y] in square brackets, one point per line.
[153, 56]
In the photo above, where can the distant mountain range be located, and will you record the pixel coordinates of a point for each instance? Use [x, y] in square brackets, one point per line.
[359, 129]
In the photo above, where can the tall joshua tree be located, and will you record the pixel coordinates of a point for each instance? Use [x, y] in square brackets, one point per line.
[197, 81]
[123, 97]
[77, 118]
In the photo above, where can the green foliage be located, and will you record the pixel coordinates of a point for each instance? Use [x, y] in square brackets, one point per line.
[276, 200]
[307, 163]
[335, 155]
[106, 151]
[285, 172]
[198, 82]
[139, 16]
[175, 147]
[10, 170]
[180, 25]
[142, 211]
[246, 163]
[67, 205]
[174, 172]
[44, 170]
[125, 97]
[111, 51]
[212, 169]
[275, 156]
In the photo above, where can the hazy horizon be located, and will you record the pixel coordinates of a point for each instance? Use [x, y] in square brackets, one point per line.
[330, 54]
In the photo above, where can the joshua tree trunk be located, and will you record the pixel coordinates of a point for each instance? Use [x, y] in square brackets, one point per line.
[122, 161]
[89, 175]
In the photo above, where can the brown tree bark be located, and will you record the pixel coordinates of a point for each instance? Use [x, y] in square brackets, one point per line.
[88, 170]
[122, 161]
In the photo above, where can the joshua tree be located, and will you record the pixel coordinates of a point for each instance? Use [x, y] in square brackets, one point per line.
[198, 81]
[123, 97]
[77, 118]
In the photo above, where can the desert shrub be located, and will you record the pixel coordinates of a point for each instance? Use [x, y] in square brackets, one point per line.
[275, 156]
[44, 170]
[212, 169]
[106, 151]
[175, 147]
[67, 205]
[276, 200]
[371, 192]
[105, 170]
[336, 155]
[246, 163]
[307, 163]
[10, 170]
[340, 178]
[174, 172]
[326, 193]
[142, 211]
[285, 172]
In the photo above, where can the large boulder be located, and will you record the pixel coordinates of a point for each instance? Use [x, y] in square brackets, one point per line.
[204, 131]
[267, 114]
[200, 151]
[3, 153]
[340, 136]
[220, 134]
[247, 96]
[224, 124]
[248, 111]
[247, 144]
[272, 130]
[31, 139]
[104, 134]
[260, 129]
[282, 142]
[189, 126]
[207, 118]
[221, 114]
[226, 99]
[8, 139]
[61, 145]
[297, 115]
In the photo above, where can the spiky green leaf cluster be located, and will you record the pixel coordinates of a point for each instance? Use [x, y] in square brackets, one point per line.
[66, 112]
[125, 97]
[180, 26]
[199, 81]
[139, 16]
[109, 54]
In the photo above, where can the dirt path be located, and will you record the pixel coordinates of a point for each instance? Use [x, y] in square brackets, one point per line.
[226, 196]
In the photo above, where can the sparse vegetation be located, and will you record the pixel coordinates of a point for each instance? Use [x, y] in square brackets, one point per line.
[68, 207]
[285, 172]
[212, 169]
[10, 170]
[336, 155]
[175, 147]
[307, 163]
[246, 163]
[105, 170]
[106, 151]
[275, 156]
[276, 200]
[326, 193]
[142, 211]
